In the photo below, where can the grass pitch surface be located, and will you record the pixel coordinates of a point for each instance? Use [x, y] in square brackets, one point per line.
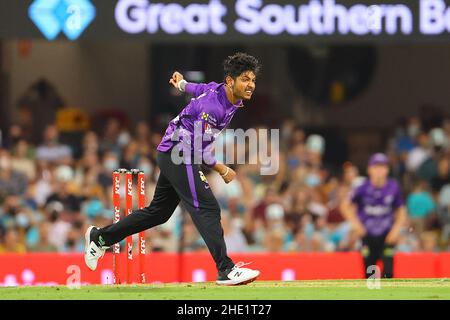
[417, 289]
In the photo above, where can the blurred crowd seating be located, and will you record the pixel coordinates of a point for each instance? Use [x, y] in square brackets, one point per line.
[51, 191]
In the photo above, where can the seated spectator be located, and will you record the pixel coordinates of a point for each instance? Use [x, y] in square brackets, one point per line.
[110, 139]
[443, 176]
[90, 142]
[273, 241]
[234, 238]
[51, 150]
[143, 138]
[12, 182]
[259, 211]
[43, 244]
[444, 213]
[429, 241]
[59, 226]
[14, 135]
[10, 242]
[407, 241]
[86, 177]
[74, 240]
[8, 213]
[418, 155]
[110, 162]
[420, 205]
[63, 191]
[350, 175]
[23, 161]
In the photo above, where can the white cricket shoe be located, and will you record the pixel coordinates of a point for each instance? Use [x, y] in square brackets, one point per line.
[237, 275]
[92, 252]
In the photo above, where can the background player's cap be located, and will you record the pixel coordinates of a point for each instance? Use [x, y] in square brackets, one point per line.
[378, 158]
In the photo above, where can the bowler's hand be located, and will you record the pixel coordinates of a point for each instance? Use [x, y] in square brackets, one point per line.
[229, 176]
[176, 78]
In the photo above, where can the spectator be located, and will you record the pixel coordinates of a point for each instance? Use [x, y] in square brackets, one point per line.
[110, 162]
[51, 150]
[22, 160]
[74, 239]
[420, 153]
[63, 191]
[12, 182]
[443, 176]
[350, 176]
[90, 143]
[407, 242]
[429, 241]
[274, 241]
[444, 213]
[110, 138]
[43, 244]
[15, 134]
[420, 205]
[130, 155]
[59, 226]
[10, 242]
[143, 138]
[234, 238]
[338, 227]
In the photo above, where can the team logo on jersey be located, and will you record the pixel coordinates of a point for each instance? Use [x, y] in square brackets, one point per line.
[205, 116]
[203, 178]
[388, 199]
[208, 128]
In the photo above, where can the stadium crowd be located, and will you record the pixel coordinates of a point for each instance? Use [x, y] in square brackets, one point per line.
[50, 191]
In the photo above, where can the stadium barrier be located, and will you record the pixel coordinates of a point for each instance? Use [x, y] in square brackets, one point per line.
[60, 269]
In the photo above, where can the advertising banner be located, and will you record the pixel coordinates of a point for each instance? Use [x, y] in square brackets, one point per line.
[290, 21]
[49, 269]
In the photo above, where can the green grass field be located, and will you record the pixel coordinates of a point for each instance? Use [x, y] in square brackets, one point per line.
[260, 290]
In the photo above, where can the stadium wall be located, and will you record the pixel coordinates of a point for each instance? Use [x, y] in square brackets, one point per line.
[88, 78]
[89, 75]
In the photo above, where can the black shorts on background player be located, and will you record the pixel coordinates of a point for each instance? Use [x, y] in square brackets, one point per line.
[374, 248]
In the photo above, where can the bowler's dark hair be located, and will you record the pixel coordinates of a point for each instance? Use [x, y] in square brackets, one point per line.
[238, 63]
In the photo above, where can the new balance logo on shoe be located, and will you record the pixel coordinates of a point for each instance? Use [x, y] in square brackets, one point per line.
[93, 252]
[237, 275]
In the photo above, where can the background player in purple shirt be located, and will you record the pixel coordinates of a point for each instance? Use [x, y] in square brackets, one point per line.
[377, 213]
[211, 109]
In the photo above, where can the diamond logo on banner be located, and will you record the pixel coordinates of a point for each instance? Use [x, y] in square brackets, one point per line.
[69, 16]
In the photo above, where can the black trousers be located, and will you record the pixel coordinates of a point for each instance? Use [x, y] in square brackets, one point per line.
[375, 248]
[177, 182]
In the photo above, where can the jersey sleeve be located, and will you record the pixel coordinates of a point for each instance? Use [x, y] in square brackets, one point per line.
[196, 89]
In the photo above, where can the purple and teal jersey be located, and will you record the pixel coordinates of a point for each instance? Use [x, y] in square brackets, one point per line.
[210, 109]
[376, 206]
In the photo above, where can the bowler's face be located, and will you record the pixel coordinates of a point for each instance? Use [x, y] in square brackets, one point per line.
[245, 85]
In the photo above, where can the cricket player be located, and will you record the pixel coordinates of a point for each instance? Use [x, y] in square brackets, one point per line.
[377, 213]
[211, 109]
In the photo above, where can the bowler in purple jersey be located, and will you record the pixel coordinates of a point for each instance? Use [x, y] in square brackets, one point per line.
[211, 109]
[377, 213]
